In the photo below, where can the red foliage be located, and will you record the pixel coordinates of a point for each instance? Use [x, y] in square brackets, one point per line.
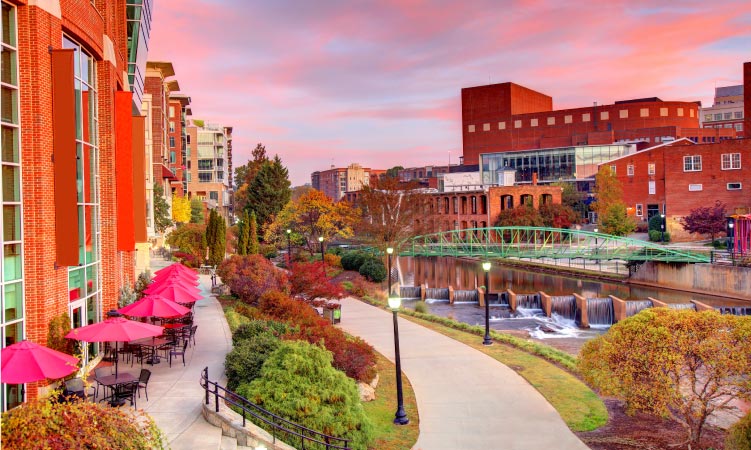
[187, 259]
[280, 306]
[307, 281]
[249, 276]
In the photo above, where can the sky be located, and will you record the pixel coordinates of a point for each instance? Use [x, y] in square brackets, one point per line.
[378, 82]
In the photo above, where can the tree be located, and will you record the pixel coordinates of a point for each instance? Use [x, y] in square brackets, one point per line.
[246, 173]
[243, 235]
[299, 191]
[269, 191]
[306, 282]
[162, 219]
[250, 276]
[313, 215]
[521, 216]
[572, 198]
[196, 210]
[189, 239]
[216, 235]
[706, 220]
[180, 209]
[673, 363]
[558, 216]
[392, 212]
[251, 243]
[394, 171]
[611, 211]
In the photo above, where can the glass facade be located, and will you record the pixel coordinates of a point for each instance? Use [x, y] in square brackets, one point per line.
[552, 164]
[139, 27]
[84, 279]
[11, 281]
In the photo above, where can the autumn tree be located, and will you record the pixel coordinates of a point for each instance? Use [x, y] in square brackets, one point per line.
[706, 220]
[521, 216]
[269, 191]
[251, 244]
[180, 209]
[162, 216]
[680, 364]
[246, 173]
[299, 191]
[611, 211]
[313, 215]
[394, 171]
[392, 212]
[196, 210]
[558, 215]
[190, 239]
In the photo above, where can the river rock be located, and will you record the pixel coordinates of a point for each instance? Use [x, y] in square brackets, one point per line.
[367, 393]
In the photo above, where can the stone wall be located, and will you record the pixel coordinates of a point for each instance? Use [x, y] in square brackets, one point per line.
[710, 279]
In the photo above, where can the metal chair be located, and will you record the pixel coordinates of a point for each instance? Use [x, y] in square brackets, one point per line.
[99, 373]
[178, 353]
[192, 335]
[126, 391]
[75, 389]
[143, 382]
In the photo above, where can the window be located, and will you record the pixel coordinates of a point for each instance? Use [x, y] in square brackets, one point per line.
[172, 157]
[612, 169]
[695, 187]
[651, 169]
[205, 164]
[172, 142]
[731, 161]
[585, 117]
[630, 170]
[644, 112]
[734, 186]
[517, 124]
[551, 120]
[727, 116]
[204, 177]
[623, 114]
[739, 114]
[533, 122]
[214, 195]
[663, 112]
[172, 111]
[718, 116]
[652, 189]
[680, 112]
[738, 127]
[568, 119]
[486, 127]
[639, 210]
[604, 115]
[708, 117]
[501, 125]
[171, 126]
[187, 138]
[470, 128]
[692, 163]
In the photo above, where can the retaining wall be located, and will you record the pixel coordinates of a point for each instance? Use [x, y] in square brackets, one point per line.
[712, 279]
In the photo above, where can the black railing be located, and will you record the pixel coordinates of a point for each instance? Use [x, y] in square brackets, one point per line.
[277, 426]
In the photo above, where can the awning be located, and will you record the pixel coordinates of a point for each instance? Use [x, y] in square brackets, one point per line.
[167, 174]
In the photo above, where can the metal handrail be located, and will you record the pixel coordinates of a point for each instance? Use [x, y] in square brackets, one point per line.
[273, 422]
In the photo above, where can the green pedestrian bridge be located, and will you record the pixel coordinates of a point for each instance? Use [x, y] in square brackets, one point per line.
[542, 242]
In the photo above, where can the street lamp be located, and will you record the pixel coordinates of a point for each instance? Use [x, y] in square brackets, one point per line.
[400, 418]
[389, 251]
[731, 237]
[662, 228]
[320, 239]
[486, 268]
[289, 246]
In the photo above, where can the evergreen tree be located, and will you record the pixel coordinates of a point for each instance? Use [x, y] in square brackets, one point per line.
[216, 237]
[162, 215]
[252, 239]
[269, 191]
[196, 210]
[242, 235]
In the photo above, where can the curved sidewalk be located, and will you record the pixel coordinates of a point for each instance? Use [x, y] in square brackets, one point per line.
[466, 399]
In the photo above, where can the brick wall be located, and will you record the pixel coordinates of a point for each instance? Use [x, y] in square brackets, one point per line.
[747, 98]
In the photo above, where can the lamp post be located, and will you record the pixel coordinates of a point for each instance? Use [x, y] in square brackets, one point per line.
[731, 237]
[486, 268]
[320, 239]
[662, 228]
[596, 245]
[389, 251]
[289, 246]
[400, 418]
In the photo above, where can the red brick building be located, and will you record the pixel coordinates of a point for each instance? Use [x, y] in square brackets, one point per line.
[71, 142]
[675, 178]
[505, 117]
[747, 97]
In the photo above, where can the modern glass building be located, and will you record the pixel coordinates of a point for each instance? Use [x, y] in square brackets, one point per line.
[139, 28]
[551, 164]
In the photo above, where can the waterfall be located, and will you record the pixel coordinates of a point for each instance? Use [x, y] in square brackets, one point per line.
[600, 311]
[735, 310]
[528, 301]
[503, 298]
[564, 306]
[406, 292]
[682, 306]
[466, 296]
[633, 308]
[437, 293]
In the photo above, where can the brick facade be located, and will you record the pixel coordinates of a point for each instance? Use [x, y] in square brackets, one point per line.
[747, 98]
[506, 117]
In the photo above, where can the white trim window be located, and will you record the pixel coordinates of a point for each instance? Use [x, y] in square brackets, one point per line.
[612, 169]
[651, 169]
[731, 161]
[692, 163]
[695, 187]
[734, 186]
[630, 170]
[639, 210]
[652, 188]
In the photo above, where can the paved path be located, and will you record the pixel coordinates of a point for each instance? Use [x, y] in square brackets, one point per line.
[465, 398]
[175, 395]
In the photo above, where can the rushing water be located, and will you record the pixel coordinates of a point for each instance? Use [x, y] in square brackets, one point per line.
[467, 275]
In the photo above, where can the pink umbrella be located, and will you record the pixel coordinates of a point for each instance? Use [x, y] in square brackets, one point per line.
[177, 277]
[25, 361]
[178, 294]
[177, 267]
[154, 306]
[115, 329]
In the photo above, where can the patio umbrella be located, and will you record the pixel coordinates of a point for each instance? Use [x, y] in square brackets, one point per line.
[115, 329]
[177, 277]
[177, 267]
[25, 362]
[154, 306]
[176, 292]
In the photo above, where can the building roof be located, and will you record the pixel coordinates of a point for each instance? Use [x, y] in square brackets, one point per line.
[681, 141]
[163, 66]
[728, 91]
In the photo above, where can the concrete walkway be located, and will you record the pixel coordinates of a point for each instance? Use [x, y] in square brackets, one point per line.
[465, 398]
[175, 395]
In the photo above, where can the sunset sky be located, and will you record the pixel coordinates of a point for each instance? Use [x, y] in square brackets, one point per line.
[378, 82]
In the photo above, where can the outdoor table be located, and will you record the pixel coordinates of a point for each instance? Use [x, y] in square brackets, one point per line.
[112, 381]
[153, 344]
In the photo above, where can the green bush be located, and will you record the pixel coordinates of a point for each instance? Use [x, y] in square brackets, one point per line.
[657, 236]
[720, 243]
[253, 328]
[421, 307]
[354, 260]
[243, 364]
[655, 222]
[373, 270]
[268, 251]
[739, 435]
[298, 382]
[234, 319]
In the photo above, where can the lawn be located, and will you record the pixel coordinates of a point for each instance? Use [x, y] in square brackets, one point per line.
[381, 410]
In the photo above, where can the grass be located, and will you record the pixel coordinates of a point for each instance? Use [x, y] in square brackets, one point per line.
[381, 410]
[579, 407]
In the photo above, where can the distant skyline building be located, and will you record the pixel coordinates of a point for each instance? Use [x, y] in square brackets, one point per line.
[209, 147]
[138, 14]
[727, 110]
[335, 181]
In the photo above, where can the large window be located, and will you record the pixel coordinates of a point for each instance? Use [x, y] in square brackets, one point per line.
[731, 161]
[11, 281]
[84, 280]
[692, 163]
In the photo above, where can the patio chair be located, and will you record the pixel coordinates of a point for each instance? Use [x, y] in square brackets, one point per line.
[139, 353]
[178, 353]
[126, 391]
[143, 382]
[192, 335]
[75, 389]
[98, 374]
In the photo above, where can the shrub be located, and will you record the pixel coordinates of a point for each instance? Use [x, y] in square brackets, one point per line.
[280, 306]
[353, 260]
[143, 281]
[655, 222]
[347, 285]
[249, 276]
[190, 240]
[44, 423]
[234, 319]
[253, 328]
[243, 364]
[306, 280]
[739, 435]
[720, 243]
[290, 376]
[657, 236]
[351, 355]
[268, 251]
[60, 326]
[373, 270]
[421, 307]
[332, 260]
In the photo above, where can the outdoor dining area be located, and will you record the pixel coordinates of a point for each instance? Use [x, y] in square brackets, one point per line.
[157, 329]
